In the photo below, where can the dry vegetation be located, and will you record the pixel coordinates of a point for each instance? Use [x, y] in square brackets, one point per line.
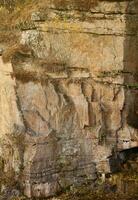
[16, 15]
[84, 194]
[11, 16]
[77, 4]
[15, 50]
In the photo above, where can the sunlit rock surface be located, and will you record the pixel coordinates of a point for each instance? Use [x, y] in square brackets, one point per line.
[73, 101]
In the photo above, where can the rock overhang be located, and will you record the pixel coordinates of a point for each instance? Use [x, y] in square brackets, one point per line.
[74, 99]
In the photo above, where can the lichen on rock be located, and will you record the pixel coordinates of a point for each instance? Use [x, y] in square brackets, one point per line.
[67, 96]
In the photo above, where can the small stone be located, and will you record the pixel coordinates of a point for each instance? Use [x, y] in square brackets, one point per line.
[36, 16]
[15, 193]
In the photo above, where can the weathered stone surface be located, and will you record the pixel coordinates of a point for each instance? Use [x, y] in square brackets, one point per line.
[76, 106]
[1, 51]
[11, 123]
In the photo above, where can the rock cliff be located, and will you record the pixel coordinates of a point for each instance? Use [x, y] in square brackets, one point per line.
[70, 100]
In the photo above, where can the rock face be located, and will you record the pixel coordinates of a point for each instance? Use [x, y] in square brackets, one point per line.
[73, 100]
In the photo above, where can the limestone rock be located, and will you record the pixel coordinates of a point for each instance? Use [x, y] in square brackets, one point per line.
[72, 101]
[1, 51]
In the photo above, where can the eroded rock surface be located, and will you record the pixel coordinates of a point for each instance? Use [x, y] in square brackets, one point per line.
[74, 99]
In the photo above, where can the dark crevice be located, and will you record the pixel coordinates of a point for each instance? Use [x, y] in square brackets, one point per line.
[131, 65]
[123, 160]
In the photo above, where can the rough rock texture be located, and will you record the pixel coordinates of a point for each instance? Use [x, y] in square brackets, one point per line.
[73, 100]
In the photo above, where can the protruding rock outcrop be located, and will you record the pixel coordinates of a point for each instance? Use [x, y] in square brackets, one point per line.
[73, 99]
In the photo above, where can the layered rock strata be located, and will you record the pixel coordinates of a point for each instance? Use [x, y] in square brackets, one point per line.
[71, 101]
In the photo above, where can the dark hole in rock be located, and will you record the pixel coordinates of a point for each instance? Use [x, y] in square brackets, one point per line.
[132, 118]
[124, 171]
[124, 160]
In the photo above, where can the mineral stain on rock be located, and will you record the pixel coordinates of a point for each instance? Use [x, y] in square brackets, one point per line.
[68, 101]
